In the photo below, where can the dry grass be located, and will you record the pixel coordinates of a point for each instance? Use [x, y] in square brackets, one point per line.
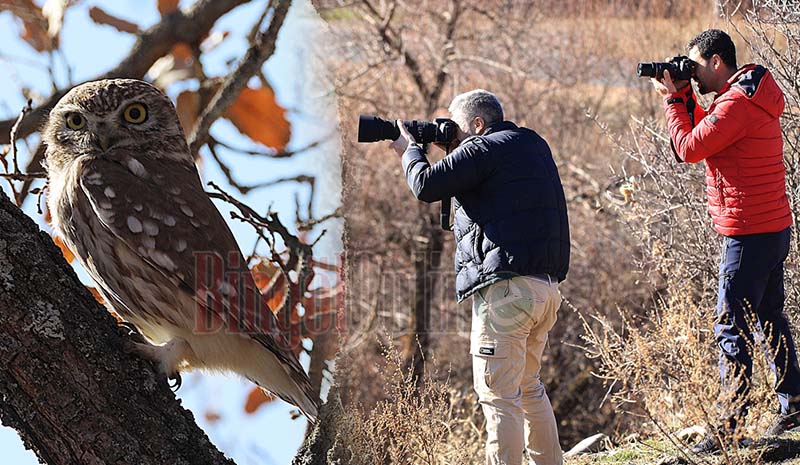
[644, 262]
[430, 424]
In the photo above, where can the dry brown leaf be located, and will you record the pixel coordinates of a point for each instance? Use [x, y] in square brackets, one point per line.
[99, 298]
[68, 256]
[166, 7]
[256, 399]
[263, 272]
[187, 105]
[100, 16]
[212, 416]
[276, 292]
[182, 52]
[258, 116]
[114, 314]
[34, 23]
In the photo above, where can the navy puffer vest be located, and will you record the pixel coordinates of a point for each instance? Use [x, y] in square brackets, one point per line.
[510, 211]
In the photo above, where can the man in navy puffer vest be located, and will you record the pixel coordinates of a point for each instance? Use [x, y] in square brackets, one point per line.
[512, 250]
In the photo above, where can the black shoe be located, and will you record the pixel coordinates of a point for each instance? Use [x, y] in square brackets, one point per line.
[783, 423]
[707, 445]
[710, 445]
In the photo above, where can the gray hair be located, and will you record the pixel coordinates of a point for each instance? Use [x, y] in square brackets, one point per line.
[477, 102]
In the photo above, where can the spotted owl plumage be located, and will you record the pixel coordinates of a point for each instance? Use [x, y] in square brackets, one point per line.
[125, 196]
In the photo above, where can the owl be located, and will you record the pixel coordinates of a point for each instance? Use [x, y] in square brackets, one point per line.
[125, 196]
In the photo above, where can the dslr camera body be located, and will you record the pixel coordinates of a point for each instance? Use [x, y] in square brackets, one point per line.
[374, 129]
[681, 68]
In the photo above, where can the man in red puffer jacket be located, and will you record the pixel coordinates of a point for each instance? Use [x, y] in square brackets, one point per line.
[739, 137]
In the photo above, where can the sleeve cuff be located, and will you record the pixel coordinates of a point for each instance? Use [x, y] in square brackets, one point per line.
[681, 95]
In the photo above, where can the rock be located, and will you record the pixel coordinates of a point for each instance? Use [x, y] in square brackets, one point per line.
[588, 445]
[691, 434]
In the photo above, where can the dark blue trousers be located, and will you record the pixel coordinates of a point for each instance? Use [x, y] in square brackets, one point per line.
[751, 293]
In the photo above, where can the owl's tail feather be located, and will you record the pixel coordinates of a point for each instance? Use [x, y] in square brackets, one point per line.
[296, 390]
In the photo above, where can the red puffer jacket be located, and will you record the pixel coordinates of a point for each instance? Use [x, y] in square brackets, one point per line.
[739, 137]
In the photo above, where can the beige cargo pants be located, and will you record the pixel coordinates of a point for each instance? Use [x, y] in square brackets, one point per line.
[510, 323]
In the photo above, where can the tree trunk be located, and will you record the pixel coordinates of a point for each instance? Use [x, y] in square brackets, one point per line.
[66, 385]
[427, 262]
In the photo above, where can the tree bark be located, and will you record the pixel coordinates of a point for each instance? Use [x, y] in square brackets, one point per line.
[66, 384]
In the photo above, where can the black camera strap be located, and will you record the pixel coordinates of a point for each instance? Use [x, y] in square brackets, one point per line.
[444, 215]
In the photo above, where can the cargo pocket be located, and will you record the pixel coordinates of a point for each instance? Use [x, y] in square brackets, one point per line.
[493, 370]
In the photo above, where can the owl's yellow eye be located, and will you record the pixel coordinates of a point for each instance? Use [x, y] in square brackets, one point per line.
[135, 113]
[75, 121]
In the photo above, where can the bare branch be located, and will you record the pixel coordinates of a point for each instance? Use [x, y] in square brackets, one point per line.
[271, 154]
[308, 225]
[24, 176]
[255, 57]
[13, 135]
[300, 254]
[189, 27]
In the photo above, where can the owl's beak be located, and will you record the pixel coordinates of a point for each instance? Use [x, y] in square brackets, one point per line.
[104, 140]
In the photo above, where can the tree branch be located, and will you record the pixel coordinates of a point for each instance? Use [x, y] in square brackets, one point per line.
[255, 57]
[67, 386]
[154, 43]
[190, 27]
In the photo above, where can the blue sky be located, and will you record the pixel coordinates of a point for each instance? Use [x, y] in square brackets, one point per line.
[269, 436]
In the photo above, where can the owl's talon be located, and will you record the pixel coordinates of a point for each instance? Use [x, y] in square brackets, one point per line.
[174, 380]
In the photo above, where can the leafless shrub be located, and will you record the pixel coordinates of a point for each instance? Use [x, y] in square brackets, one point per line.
[430, 423]
[662, 362]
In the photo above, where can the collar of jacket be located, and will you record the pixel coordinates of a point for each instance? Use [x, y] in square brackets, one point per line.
[501, 126]
[734, 78]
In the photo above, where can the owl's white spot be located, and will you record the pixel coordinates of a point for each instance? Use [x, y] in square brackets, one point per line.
[134, 224]
[163, 259]
[174, 190]
[169, 220]
[106, 215]
[180, 201]
[195, 223]
[94, 179]
[149, 242]
[138, 207]
[109, 192]
[136, 167]
[156, 215]
[180, 246]
[150, 227]
[227, 289]
[187, 211]
[105, 204]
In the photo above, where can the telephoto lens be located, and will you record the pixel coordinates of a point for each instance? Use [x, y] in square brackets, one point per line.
[372, 129]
